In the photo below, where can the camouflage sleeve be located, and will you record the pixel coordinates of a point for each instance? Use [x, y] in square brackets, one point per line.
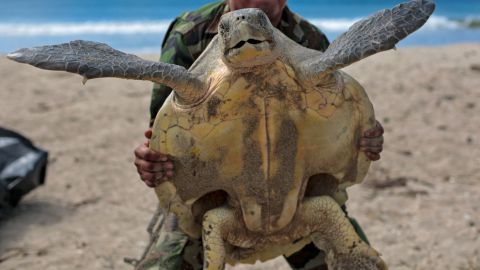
[315, 39]
[174, 51]
[320, 43]
[302, 31]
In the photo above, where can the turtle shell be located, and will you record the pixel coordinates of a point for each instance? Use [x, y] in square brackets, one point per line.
[256, 138]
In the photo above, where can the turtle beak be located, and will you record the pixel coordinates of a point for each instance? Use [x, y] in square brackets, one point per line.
[249, 41]
[245, 33]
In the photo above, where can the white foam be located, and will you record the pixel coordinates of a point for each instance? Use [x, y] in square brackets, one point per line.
[341, 25]
[61, 29]
[440, 22]
[335, 25]
[159, 27]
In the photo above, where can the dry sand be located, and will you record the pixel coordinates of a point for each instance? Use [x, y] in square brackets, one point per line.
[420, 204]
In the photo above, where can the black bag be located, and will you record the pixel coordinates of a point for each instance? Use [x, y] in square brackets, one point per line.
[22, 167]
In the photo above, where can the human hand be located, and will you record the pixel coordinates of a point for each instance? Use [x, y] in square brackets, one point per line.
[153, 167]
[372, 142]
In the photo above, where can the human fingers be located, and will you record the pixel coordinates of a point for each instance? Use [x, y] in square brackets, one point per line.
[376, 131]
[149, 166]
[151, 179]
[145, 153]
[371, 142]
[372, 156]
[148, 133]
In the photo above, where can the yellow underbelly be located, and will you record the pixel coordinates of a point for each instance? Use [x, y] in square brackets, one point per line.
[259, 145]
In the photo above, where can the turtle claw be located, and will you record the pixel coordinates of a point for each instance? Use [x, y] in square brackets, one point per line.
[17, 56]
[14, 55]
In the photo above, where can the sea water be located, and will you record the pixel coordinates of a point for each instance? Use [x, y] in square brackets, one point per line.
[138, 26]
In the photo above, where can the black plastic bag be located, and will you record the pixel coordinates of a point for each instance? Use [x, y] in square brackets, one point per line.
[22, 167]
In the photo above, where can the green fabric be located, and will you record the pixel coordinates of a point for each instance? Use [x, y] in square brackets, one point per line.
[359, 230]
[166, 253]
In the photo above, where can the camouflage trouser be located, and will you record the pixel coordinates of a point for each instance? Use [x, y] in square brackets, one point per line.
[173, 250]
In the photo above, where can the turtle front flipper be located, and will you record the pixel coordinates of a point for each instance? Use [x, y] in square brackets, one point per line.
[377, 33]
[96, 60]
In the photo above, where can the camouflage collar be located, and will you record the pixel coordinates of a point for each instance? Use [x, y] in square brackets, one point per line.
[288, 24]
[213, 27]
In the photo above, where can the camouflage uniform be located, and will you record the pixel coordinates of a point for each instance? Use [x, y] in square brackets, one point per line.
[186, 38]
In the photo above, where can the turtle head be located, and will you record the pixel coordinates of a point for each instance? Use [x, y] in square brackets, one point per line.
[246, 38]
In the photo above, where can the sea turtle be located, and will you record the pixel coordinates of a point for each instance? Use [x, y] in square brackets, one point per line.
[263, 133]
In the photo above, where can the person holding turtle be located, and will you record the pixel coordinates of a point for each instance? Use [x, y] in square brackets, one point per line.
[186, 38]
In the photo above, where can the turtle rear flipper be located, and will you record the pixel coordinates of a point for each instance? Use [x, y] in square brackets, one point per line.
[377, 33]
[96, 60]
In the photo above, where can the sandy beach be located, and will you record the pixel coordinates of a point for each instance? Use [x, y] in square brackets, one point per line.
[419, 205]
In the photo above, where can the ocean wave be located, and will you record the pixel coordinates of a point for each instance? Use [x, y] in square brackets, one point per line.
[159, 27]
[434, 23]
[62, 29]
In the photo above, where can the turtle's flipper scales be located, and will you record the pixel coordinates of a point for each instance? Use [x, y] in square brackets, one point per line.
[96, 60]
[377, 33]
[87, 58]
